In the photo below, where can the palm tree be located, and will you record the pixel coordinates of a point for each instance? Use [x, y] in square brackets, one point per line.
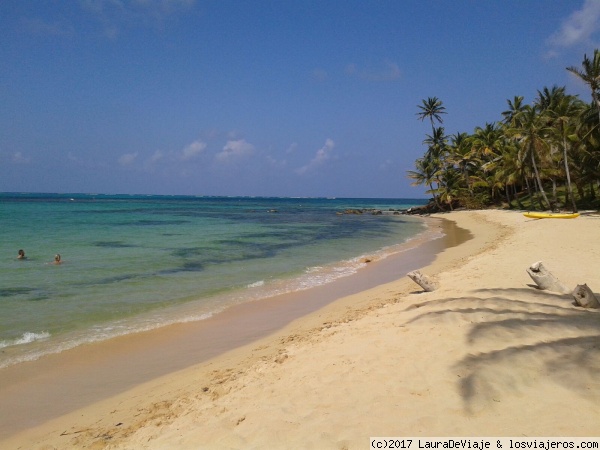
[547, 99]
[436, 143]
[545, 102]
[424, 174]
[563, 111]
[432, 109]
[514, 107]
[487, 141]
[513, 167]
[487, 146]
[450, 187]
[435, 157]
[510, 171]
[460, 154]
[530, 131]
[587, 144]
[590, 74]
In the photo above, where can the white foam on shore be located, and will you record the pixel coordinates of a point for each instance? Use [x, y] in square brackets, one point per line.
[96, 334]
[323, 274]
[27, 338]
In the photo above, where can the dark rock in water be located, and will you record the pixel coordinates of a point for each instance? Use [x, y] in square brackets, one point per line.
[373, 211]
[424, 210]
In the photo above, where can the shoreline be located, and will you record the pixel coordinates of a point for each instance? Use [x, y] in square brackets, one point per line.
[123, 362]
[197, 310]
[484, 355]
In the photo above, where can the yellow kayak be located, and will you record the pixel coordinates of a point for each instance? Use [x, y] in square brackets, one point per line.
[542, 215]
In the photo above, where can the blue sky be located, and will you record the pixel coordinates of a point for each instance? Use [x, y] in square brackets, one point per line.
[266, 98]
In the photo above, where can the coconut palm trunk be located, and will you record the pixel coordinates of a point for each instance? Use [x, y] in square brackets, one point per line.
[539, 180]
[568, 175]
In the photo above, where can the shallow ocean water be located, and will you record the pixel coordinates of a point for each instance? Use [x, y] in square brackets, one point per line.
[133, 263]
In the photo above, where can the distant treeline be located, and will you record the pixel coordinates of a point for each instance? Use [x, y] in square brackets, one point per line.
[544, 155]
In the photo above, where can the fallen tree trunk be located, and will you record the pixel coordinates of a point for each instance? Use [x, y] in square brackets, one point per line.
[423, 280]
[545, 280]
[584, 297]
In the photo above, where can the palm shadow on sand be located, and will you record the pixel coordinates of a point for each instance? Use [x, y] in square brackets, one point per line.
[525, 342]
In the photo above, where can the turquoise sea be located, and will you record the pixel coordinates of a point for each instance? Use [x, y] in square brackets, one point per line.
[133, 263]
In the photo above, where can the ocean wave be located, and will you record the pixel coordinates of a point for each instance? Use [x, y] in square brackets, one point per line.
[27, 338]
[319, 275]
[97, 334]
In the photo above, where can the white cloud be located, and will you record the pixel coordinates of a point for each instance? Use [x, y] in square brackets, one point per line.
[157, 156]
[114, 15]
[165, 6]
[320, 158]
[386, 165]
[86, 163]
[275, 162]
[127, 159]
[579, 26]
[319, 75]
[19, 158]
[351, 69]
[151, 162]
[292, 148]
[389, 72]
[43, 27]
[234, 150]
[192, 150]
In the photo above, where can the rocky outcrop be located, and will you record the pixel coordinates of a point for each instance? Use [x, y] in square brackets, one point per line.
[373, 211]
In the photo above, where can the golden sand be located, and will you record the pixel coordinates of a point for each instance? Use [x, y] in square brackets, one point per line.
[484, 355]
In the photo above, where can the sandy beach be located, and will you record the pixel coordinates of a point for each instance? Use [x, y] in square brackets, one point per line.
[486, 354]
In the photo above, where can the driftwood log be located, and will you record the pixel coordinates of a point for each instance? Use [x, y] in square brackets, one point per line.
[423, 280]
[584, 297]
[545, 280]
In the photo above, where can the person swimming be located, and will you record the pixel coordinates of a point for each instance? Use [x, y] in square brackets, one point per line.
[57, 259]
[21, 255]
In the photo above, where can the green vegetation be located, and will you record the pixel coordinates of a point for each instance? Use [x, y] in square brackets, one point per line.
[543, 156]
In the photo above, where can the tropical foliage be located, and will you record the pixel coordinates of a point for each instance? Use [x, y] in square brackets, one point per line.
[544, 155]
